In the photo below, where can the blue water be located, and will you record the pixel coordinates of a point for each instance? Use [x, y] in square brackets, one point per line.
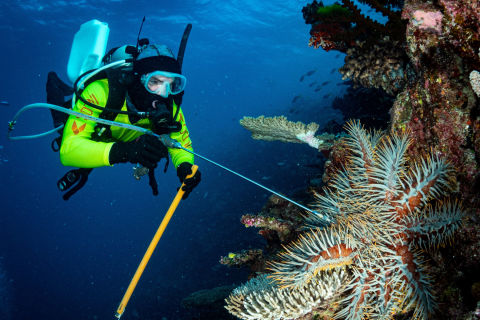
[74, 259]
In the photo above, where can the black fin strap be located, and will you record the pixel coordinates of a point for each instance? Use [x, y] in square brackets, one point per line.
[68, 181]
[152, 181]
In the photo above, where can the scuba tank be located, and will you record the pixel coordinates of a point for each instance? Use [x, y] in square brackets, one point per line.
[88, 48]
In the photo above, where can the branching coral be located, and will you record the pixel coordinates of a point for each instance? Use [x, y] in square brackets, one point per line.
[260, 298]
[283, 229]
[386, 211]
[280, 129]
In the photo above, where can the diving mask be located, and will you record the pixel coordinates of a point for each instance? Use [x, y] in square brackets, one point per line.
[163, 83]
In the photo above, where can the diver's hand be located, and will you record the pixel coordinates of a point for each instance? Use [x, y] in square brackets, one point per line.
[161, 119]
[183, 170]
[146, 150]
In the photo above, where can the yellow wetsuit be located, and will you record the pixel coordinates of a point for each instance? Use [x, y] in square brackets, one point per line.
[78, 150]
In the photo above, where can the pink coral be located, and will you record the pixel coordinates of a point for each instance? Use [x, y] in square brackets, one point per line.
[428, 20]
[270, 225]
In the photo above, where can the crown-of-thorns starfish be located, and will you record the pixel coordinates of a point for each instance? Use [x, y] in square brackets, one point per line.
[380, 205]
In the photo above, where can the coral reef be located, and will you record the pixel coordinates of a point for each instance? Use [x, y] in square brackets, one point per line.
[338, 26]
[260, 298]
[426, 56]
[440, 106]
[385, 215]
[252, 258]
[381, 65]
[283, 229]
[279, 128]
[282, 209]
[385, 191]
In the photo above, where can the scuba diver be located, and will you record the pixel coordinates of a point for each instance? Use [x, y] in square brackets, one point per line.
[147, 95]
[123, 108]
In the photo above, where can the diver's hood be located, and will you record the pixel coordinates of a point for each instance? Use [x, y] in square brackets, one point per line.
[151, 58]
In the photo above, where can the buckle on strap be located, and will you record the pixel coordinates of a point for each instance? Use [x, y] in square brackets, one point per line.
[73, 181]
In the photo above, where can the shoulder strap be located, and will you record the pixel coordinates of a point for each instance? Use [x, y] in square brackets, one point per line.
[75, 179]
[116, 97]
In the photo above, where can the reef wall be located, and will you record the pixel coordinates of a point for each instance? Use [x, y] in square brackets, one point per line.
[427, 58]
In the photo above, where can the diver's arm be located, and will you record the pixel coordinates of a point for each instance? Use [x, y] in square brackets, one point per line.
[183, 136]
[78, 150]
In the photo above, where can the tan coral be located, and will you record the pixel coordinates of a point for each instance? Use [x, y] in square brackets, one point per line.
[280, 129]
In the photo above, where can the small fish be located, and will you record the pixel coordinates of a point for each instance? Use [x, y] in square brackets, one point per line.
[4, 103]
[318, 89]
[295, 98]
[327, 95]
[302, 77]
[325, 83]
[333, 71]
[337, 56]
[309, 73]
[312, 84]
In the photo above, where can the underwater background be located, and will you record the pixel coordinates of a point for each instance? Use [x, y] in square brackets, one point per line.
[407, 66]
[73, 259]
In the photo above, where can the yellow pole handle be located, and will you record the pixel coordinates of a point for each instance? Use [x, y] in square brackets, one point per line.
[151, 247]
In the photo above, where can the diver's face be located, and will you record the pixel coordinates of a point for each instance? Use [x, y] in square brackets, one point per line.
[159, 84]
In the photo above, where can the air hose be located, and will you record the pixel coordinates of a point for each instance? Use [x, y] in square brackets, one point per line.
[166, 140]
